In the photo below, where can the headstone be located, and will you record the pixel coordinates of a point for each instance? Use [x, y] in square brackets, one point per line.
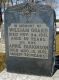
[29, 37]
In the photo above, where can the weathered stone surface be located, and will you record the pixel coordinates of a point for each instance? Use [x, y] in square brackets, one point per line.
[30, 60]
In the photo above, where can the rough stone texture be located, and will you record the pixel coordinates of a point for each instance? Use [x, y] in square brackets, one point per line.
[17, 14]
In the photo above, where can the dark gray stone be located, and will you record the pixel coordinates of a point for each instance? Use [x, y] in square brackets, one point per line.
[30, 14]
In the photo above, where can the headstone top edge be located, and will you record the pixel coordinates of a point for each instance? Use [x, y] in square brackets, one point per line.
[19, 7]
